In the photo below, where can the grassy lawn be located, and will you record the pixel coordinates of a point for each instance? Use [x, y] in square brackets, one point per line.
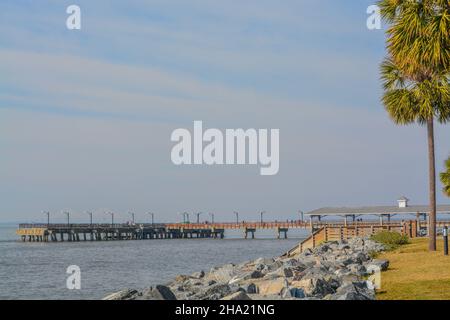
[416, 274]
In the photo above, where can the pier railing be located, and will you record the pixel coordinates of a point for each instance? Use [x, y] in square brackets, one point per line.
[87, 225]
[202, 225]
[241, 225]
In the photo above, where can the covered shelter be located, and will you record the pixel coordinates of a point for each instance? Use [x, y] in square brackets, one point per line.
[403, 208]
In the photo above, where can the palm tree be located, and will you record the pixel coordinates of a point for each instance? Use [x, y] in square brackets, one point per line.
[415, 74]
[445, 178]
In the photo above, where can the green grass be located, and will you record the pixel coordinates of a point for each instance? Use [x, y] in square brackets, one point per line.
[415, 273]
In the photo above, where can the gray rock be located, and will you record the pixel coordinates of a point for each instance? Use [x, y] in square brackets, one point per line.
[293, 263]
[331, 271]
[271, 276]
[361, 257]
[354, 291]
[126, 294]
[268, 267]
[256, 274]
[357, 269]
[343, 246]
[313, 286]
[159, 292]
[345, 260]
[250, 288]
[377, 264]
[293, 293]
[240, 295]
[316, 271]
[342, 272]
[322, 249]
[281, 272]
[327, 264]
[265, 297]
[239, 278]
[222, 274]
[264, 261]
[333, 281]
[216, 292]
[349, 279]
[198, 275]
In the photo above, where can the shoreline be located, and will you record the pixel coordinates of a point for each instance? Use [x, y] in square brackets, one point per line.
[331, 271]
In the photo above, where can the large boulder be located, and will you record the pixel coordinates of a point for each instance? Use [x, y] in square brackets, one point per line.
[344, 260]
[241, 278]
[357, 269]
[215, 292]
[377, 264]
[313, 286]
[198, 275]
[222, 274]
[292, 292]
[316, 271]
[159, 292]
[250, 288]
[256, 274]
[269, 265]
[126, 294]
[285, 272]
[272, 287]
[349, 279]
[354, 291]
[361, 257]
[293, 263]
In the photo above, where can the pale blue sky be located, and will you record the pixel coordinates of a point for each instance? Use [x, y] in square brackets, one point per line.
[86, 116]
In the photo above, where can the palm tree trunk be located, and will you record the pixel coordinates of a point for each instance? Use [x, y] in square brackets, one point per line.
[432, 182]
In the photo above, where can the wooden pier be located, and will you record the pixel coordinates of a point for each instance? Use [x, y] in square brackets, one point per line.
[107, 232]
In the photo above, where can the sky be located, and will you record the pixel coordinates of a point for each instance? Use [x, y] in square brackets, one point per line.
[86, 115]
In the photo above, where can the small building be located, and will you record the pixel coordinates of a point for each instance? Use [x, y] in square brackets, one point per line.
[402, 202]
[402, 208]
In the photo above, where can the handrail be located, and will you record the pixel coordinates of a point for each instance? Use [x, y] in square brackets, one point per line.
[300, 245]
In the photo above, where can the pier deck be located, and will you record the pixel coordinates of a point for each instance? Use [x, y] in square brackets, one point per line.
[105, 232]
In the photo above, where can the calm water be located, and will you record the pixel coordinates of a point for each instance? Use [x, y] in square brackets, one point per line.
[38, 270]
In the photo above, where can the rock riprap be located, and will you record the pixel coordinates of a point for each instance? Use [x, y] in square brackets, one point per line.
[331, 271]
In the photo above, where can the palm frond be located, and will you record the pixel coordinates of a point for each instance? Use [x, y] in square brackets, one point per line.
[415, 75]
[445, 178]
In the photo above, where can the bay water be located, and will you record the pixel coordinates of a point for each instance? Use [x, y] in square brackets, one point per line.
[38, 270]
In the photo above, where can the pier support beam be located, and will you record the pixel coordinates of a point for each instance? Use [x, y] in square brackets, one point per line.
[250, 230]
[282, 231]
